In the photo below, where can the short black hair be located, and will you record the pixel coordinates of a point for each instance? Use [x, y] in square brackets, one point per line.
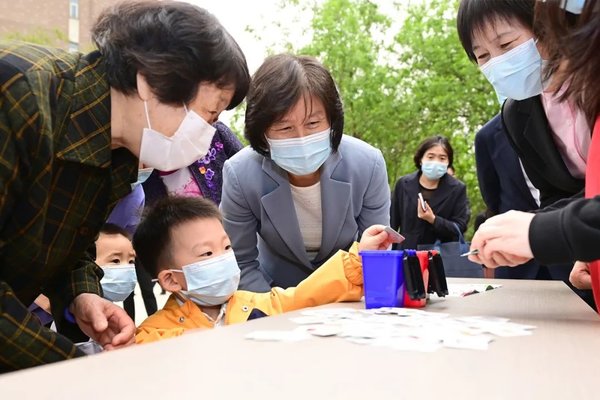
[152, 238]
[114, 229]
[429, 143]
[174, 45]
[278, 84]
[473, 15]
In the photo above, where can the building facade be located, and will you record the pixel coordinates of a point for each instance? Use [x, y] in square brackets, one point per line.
[61, 23]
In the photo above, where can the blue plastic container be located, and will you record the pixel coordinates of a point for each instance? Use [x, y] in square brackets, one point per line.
[383, 277]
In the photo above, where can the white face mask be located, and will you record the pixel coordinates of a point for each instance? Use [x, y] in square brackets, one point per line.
[190, 142]
[118, 281]
[213, 281]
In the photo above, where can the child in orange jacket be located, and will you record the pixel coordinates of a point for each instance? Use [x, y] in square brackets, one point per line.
[182, 242]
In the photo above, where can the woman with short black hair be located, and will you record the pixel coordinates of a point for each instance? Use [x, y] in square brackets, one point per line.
[303, 190]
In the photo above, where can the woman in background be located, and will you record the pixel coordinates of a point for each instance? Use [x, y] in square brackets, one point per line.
[444, 209]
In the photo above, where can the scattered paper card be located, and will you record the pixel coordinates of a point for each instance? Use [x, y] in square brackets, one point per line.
[404, 329]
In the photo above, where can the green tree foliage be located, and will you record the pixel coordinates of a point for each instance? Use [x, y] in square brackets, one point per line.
[403, 76]
[443, 92]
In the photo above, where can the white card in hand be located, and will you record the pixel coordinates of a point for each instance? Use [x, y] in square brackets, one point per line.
[396, 237]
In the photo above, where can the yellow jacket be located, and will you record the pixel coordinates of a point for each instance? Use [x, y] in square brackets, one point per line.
[338, 279]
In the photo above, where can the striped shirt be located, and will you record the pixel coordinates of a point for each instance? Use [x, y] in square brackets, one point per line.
[59, 179]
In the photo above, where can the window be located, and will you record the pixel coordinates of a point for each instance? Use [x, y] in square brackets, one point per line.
[74, 9]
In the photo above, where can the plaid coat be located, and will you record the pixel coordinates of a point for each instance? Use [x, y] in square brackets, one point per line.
[59, 179]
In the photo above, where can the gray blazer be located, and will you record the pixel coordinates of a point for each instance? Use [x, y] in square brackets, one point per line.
[260, 218]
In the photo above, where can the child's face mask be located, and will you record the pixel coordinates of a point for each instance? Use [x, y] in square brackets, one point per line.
[118, 281]
[211, 282]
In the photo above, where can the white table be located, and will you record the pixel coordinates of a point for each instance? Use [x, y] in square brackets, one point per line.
[561, 360]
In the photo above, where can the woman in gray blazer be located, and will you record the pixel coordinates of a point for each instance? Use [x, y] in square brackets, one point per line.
[302, 190]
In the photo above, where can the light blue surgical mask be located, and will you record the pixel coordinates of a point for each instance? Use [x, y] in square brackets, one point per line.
[118, 281]
[573, 6]
[434, 169]
[301, 156]
[211, 282]
[516, 74]
[143, 175]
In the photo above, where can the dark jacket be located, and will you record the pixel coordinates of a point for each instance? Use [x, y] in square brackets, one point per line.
[501, 180]
[449, 203]
[567, 234]
[502, 184]
[530, 135]
[59, 179]
[208, 171]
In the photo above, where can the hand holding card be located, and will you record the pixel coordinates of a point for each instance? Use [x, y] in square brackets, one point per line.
[395, 236]
[379, 237]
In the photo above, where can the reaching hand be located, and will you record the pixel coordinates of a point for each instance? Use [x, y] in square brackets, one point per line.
[103, 321]
[375, 238]
[503, 240]
[580, 275]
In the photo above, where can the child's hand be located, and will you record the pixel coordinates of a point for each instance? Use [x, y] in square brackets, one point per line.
[375, 238]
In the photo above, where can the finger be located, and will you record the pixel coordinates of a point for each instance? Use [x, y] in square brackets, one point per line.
[511, 252]
[478, 241]
[516, 260]
[486, 232]
[500, 259]
[124, 328]
[374, 230]
[96, 317]
[386, 244]
[486, 255]
[475, 258]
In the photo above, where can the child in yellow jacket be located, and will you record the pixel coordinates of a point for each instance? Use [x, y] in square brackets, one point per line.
[181, 241]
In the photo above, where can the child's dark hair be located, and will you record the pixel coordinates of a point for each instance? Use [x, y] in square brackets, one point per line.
[113, 229]
[152, 239]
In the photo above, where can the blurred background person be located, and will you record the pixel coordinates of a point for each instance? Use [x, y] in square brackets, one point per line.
[445, 210]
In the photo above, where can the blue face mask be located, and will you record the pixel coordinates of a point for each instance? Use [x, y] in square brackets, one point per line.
[118, 281]
[211, 282]
[301, 156]
[143, 175]
[433, 169]
[573, 6]
[516, 74]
